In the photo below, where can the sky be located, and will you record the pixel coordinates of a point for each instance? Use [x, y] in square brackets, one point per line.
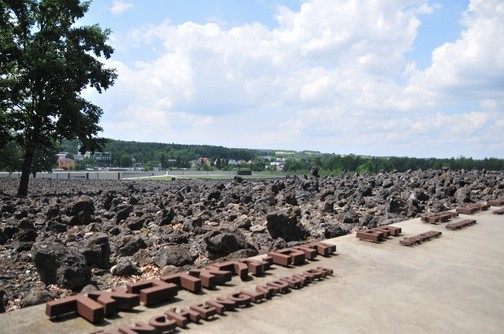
[417, 78]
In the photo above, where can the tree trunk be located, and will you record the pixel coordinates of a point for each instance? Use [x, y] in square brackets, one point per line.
[25, 172]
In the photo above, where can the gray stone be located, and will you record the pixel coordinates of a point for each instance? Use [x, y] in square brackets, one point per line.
[333, 231]
[176, 255]
[81, 211]
[129, 245]
[97, 251]
[36, 296]
[280, 225]
[57, 264]
[223, 242]
[124, 267]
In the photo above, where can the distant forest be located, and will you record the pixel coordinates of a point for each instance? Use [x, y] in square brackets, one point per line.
[336, 164]
[153, 154]
[165, 156]
[127, 153]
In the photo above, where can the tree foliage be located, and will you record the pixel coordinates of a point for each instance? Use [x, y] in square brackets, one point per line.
[44, 159]
[336, 164]
[158, 153]
[46, 61]
[10, 157]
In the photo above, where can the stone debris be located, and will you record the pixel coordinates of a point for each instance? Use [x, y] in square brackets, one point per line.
[72, 233]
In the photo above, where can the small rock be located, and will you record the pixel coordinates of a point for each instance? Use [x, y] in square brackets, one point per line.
[124, 267]
[36, 296]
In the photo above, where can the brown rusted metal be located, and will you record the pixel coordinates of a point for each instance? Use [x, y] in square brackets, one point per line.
[422, 237]
[210, 277]
[182, 319]
[115, 300]
[439, 217]
[287, 256]
[498, 212]
[222, 304]
[473, 208]
[391, 230]
[153, 291]
[268, 291]
[162, 323]
[269, 260]
[460, 224]
[496, 202]
[139, 327]
[293, 282]
[101, 303]
[323, 248]
[236, 267]
[280, 259]
[282, 286]
[84, 306]
[255, 267]
[240, 299]
[184, 281]
[310, 253]
[328, 271]
[315, 273]
[254, 296]
[371, 235]
[205, 311]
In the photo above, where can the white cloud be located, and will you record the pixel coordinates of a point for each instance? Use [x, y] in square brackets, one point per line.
[471, 67]
[329, 77]
[120, 6]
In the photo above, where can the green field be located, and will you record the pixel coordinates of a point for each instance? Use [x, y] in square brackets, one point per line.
[224, 176]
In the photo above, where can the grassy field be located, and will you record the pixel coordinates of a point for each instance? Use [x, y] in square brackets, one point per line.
[223, 176]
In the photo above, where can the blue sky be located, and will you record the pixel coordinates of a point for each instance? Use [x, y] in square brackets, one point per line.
[406, 78]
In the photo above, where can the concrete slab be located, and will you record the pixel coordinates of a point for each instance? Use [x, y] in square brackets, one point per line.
[453, 284]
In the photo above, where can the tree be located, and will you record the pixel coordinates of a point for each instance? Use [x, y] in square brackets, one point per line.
[46, 60]
[10, 157]
[44, 159]
[163, 161]
[126, 161]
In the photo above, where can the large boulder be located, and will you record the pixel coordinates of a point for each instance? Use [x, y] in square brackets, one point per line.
[222, 242]
[57, 264]
[128, 245]
[81, 211]
[349, 217]
[53, 212]
[3, 237]
[2, 306]
[463, 196]
[281, 225]
[396, 205]
[333, 231]
[175, 255]
[97, 251]
[123, 211]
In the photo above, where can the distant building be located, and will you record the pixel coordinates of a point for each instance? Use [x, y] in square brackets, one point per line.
[61, 155]
[79, 158]
[200, 162]
[100, 159]
[277, 165]
[65, 163]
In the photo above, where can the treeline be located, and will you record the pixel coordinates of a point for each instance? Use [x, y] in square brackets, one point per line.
[11, 158]
[150, 155]
[336, 164]
[129, 153]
